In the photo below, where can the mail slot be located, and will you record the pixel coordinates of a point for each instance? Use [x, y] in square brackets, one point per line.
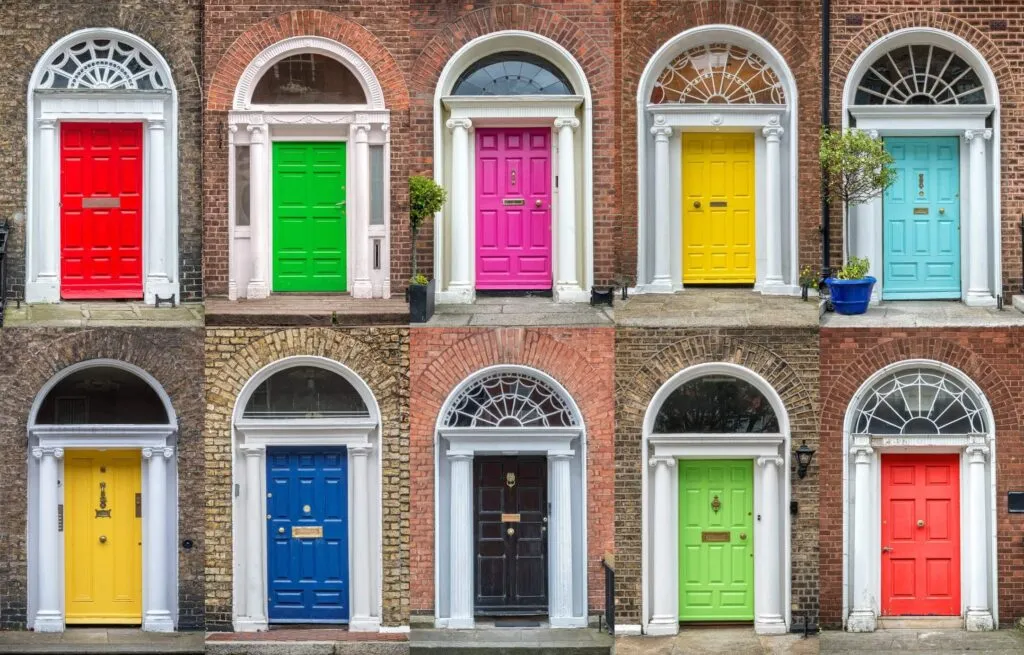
[920, 211]
[719, 203]
[716, 537]
[307, 531]
[101, 203]
[513, 202]
[510, 518]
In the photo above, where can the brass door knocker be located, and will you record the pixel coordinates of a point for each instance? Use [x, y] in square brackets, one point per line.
[716, 504]
[103, 512]
[512, 175]
[510, 480]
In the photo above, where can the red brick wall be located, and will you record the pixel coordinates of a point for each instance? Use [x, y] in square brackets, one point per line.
[856, 24]
[989, 357]
[582, 360]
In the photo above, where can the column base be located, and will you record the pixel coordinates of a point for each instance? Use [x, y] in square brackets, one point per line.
[657, 285]
[979, 621]
[246, 624]
[662, 626]
[629, 630]
[770, 625]
[49, 621]
[467, 623]
[570, 292]
[232, 291]
[364, 624]
[457, 293]
[257, 291]
[567, 622]
[861, 621]
[777, 288]
[979, 299]
[362, 289]
[158, 621]
[43, 290]
[160, 287]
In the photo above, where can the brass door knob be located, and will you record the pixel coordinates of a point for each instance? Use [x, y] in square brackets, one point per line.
[920, 523]
[743, 536]
[886, 549]
[538, 202]
[103, 538]
[942, 210]
[280, 530]
[510, 531]
[696, 204]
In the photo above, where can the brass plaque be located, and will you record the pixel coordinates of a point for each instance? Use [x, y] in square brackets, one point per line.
[920, 211]
[307, 531]
[719, 203]
[101, 203]
[510, 518]
[513, 202]
[716, 537]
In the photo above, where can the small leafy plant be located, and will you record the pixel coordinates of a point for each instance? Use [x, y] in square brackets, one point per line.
[808, 277]
[856, 166]
[426, 198]
[856, 268]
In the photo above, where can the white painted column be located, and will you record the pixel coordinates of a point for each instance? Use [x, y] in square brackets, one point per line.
[233, 212]
[772, 282]
[45, 287]
[361, 286]
[662, 282]
[979, 616]
[560, 539]
[157, 241]
[664, 572]
[567, 286]
[979, 290]
[768, 564]
[460, 285]
[259, 211]
[253, 615]
[49, 617]
[157, 564]
[362, 561]
[862, 614]
[460, 564]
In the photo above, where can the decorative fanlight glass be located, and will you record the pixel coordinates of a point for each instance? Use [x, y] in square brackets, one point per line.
[920, 75]
[718, 73]
[919, 401]
[102, 64]
[305, 392]
[102, 395]
[308, 79]
[503, 400]
[512, 74]
[716, 404]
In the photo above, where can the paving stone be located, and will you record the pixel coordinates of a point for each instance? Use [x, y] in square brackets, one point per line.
[998, 642]
[112, 314]
[519, 311]
[715, 641]
[101, 640]
[922, 313]
[511, 641]
[716, 308]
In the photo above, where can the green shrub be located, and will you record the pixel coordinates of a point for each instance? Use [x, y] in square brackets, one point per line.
[426, 198]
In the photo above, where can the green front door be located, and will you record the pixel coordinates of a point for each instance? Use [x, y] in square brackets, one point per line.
[716, 540]
[310, 241]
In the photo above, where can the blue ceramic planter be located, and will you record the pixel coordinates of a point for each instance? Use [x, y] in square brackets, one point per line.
[851, 296]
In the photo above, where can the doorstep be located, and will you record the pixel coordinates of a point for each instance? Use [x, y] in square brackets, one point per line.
[125, 641]
[996, 642]
[510, 641]
[926, 314]
[714, 641]
[307, 641]
[289, 310]
[113, 313]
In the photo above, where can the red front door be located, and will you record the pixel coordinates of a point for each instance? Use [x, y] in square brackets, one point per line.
[920, 535]
[101, 210]
[513, 208]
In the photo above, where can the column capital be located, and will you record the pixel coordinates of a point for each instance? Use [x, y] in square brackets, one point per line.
[670, 462]
[362, 131]
[149, 453]
[977, 453]
[561, 454]
[570, 122]
[47, 123]
[985, 134]
[773, 132]
[40, 451]
[156, 124]
[774, 460]
[252, 450]
[661, 132]
[456, 123]
[257, 133]
[460, 456]
[361, 450]
[862, 453]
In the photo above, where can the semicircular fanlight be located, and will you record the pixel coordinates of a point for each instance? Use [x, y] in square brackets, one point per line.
[718, 73]
[920, 75]
[919, 401]
[508, 399]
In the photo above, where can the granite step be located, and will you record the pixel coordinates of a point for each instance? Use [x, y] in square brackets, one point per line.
[510, 641]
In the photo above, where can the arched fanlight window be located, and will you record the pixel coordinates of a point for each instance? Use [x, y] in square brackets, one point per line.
[512, 74]
[919, 401]
[718, 73]
[102, 395]
[305, 392]
[716, 404]
[104, 64]
[308, 79]
[920, 75]
[502, 400]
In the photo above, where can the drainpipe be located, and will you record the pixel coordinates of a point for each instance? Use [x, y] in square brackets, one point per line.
[826, 10]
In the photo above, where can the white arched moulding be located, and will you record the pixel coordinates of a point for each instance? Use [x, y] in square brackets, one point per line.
[125, 80]
[880, 96]
[718, 79]
[919, 407]
[49, 441]
[765, 440]
[359, 432]
[510, 411]
[570, 119]
[253, 131]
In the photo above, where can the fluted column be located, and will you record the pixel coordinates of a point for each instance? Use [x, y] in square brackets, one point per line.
[157, 564]
[460, 285]
[159, 245]
[662, 281]
[979, 615]
[49, 616]
[361, 287]
[560, 537]
[362, 561]
[768, 558]
[259, 211]
[773, 208]
[460, 531]
[979, 290]
[567, 286]
[862, 614]
[664, 572]
[45, 287]
[254, 531]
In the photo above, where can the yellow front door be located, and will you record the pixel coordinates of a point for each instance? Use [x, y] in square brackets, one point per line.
[718, 208]
[103, 536]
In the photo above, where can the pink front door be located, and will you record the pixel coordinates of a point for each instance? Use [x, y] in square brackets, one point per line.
[513, 208]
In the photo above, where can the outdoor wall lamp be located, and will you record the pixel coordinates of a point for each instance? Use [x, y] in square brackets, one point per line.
[804, 454]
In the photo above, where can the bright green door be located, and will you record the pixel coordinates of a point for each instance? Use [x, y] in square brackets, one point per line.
[716, 540]
[310, 241]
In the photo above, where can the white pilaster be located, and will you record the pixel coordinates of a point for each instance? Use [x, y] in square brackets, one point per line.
[49, 617]
[460, 285]
[253, 616]
[157, 564]
[362, 619]
[768, 552]
[44, 283]
[362, 287]
[772, 282]
[233, 211]
[461, 542]
[259, 211]
[560, 538]
[664, 572]
[567, 286]
[158, 275]
[662, 282]
[862, 614]
[979, 291]
[979, 615]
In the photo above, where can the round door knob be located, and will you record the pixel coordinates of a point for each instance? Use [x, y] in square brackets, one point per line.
[511, 531]
[538, 202]
[103, 538]
[942, 211]
[280, 530]
[743, 536]
[696, 204]
[920, 523]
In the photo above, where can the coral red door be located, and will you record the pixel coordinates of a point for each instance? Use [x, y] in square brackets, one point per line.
[101, 210]
[513, 208]
[920, 535]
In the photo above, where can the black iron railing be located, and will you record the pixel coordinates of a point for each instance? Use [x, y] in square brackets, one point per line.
[4, 231]
[609, 596]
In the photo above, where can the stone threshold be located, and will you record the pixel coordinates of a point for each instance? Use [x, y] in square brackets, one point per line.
[121, 641]
[306, 310]
[307, 641]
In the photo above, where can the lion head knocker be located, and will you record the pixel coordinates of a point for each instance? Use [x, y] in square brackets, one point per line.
[510, 479]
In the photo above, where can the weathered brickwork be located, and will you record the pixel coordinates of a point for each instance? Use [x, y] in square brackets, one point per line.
[645, 359]
[28, 359]
[380, 357]
[992, 359]
[581, 360]
[170, 26]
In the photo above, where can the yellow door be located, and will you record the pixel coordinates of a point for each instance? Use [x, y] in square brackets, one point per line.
[103, 536]
[718, 208]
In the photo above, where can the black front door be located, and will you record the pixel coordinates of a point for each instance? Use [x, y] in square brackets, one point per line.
[511, 535]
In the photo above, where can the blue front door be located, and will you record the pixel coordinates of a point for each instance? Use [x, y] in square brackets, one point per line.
[921, 236]
[307, 535]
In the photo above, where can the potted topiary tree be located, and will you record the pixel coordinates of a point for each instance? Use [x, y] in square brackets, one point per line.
[426, 198]
[857, 168]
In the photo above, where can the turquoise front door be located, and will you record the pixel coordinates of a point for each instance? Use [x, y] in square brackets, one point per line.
[921, 218]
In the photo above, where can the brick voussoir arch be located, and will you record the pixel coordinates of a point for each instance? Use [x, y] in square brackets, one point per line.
[313, 22]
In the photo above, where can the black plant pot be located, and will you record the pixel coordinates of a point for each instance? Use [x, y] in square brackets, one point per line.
[421, 302]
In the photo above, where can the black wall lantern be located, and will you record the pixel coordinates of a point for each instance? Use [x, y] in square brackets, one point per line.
[804, 454]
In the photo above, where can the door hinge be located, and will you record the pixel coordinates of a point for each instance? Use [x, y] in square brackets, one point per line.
[556, 181]
[60, 517]
[236, 490]
[138, 505]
